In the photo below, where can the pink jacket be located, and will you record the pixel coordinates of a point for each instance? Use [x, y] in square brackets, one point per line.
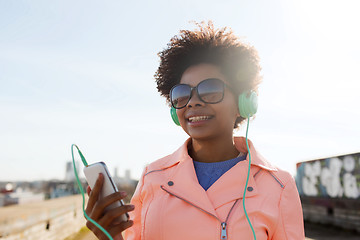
[170, 204]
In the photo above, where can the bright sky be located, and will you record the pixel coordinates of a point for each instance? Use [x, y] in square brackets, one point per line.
[82, 72]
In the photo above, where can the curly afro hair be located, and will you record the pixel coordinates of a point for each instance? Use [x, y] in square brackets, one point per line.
[238, 61]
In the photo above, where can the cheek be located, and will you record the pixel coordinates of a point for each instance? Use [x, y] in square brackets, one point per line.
[180, 113]
[227, 114]
[231, 107]
[232, 115]
[182, 120]
[232, 112]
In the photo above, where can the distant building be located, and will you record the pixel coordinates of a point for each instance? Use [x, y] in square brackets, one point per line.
[127, 174]
[69, 172]
[124, 181]
[333, 177]
[20, 196]
[329, 189]
[2, 199]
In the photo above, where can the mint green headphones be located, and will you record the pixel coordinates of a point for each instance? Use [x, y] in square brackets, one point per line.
[247, 103]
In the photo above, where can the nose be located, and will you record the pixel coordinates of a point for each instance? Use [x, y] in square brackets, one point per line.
[194, 100]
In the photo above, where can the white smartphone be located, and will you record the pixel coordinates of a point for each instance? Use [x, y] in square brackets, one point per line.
[92, 173]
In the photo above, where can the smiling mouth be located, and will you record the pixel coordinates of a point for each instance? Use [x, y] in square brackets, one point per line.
[199, 118]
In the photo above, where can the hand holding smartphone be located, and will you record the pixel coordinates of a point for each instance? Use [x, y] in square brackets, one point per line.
[92, 172]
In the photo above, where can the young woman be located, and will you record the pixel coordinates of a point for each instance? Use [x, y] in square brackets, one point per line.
[210, 79]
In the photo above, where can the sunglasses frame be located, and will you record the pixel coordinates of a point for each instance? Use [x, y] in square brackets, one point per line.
[197, 92]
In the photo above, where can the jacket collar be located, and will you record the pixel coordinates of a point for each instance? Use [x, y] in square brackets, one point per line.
[184, 183]
[257, 159]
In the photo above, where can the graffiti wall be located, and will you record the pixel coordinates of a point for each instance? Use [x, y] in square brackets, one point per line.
[335, 177]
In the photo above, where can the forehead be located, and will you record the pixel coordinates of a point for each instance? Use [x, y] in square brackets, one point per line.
[195, 74]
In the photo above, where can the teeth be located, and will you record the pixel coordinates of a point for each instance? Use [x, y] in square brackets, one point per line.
[198, 118]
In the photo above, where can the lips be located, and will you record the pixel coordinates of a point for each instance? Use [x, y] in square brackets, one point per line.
[194, 119]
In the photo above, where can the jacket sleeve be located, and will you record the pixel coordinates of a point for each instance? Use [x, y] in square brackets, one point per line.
[134, 232]
[291, 224]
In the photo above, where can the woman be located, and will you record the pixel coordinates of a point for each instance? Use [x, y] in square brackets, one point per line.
[210, 78]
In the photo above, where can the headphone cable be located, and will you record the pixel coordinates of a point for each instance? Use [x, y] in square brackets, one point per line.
[82, 190]
[247, 179]
[107, 234]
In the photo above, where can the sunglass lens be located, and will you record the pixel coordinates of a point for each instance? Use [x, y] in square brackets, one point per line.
[211, 90]
[180, 95]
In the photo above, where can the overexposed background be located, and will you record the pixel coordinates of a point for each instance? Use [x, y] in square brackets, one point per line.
[82, 72]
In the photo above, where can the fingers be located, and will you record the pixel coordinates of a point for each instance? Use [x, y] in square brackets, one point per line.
[109, 218]
[121, 227]
[110, 222]
[100, 205]
[88, 190]
[115, 231]
[94, 194]
[113, 215]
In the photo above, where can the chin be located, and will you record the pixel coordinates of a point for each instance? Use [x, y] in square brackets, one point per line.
[201, 137]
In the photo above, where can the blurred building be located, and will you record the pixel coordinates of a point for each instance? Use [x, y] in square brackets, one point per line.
[69, 171]
[125, 183]
[16, 193]
[329, 189]
[21, 192]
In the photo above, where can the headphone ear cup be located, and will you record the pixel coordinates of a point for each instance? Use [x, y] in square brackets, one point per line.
[174, 116]
[248, 104]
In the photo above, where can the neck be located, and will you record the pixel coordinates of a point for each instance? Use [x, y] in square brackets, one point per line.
[213, 150]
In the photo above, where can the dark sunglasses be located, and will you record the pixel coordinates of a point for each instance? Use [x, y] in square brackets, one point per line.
[209, 91]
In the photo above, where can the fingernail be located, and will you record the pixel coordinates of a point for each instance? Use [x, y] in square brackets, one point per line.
[123, 194]
[131, 207]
